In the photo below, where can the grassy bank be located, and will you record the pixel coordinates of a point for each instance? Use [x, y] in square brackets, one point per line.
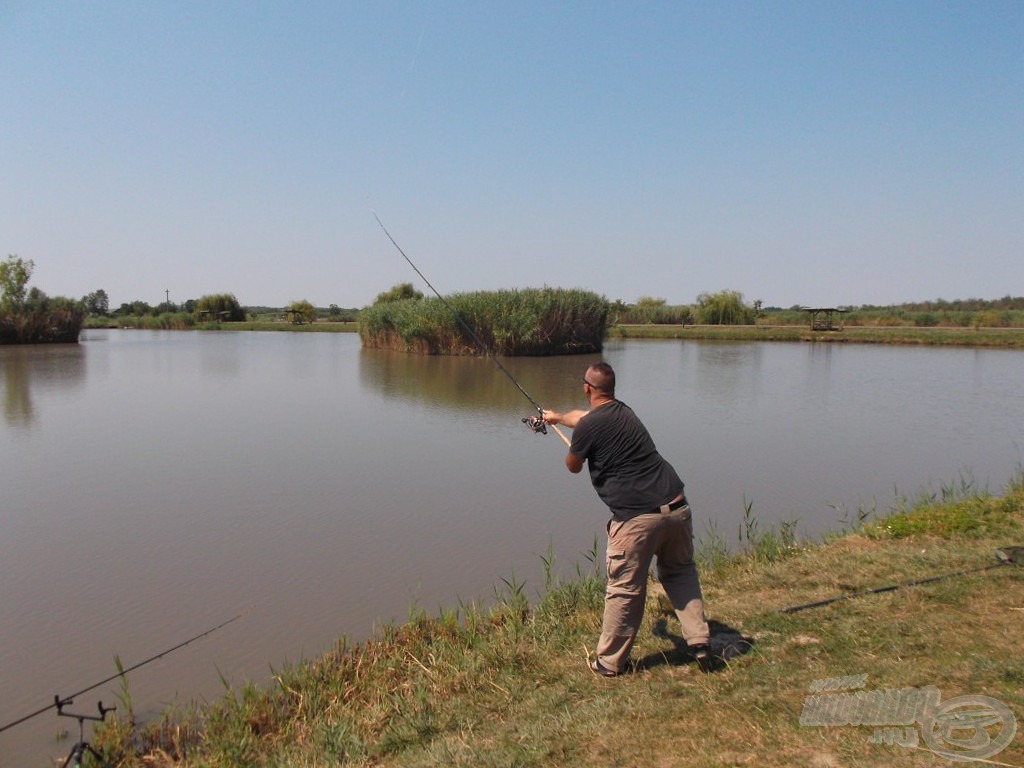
[1006, 338]
[507, 685]
[320, 326]
[186, 321]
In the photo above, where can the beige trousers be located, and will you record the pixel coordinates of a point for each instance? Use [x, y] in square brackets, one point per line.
[632, 544]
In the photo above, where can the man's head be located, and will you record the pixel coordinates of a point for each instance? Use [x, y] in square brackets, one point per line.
[601, 378]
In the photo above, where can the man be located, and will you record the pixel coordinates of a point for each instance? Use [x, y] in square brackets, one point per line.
[650, 518]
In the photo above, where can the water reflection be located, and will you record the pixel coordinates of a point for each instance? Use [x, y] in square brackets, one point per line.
[52, 366]
[472, 383]
[728, 371]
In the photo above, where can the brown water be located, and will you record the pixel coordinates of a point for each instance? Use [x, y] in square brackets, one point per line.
[156, 484]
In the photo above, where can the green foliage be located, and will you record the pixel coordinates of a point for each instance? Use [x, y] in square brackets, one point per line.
[97, 303]
[649, 311]
[400, 292]
[14, 276]
[220, 306]
[133, 309]
[1007, 312]
[30, 316]
[724, 308]
[649, 302]
[300, 312]
[543, 321]
[165, 321]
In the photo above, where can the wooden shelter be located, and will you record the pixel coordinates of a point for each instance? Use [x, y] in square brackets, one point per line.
[824, 318]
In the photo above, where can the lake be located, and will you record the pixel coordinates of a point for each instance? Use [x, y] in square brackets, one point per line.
[156, 484]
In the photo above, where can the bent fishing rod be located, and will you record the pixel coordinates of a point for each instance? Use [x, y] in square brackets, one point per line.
[536, 423]
[59, 701]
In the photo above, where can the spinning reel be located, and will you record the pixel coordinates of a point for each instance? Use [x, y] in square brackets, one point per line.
[536, 424]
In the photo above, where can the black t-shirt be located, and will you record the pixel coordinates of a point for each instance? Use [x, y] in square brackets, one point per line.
[626, 469]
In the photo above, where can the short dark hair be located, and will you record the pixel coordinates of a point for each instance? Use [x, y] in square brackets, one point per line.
[603, 377]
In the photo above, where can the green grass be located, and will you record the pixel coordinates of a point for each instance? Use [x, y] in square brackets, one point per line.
[1006, 338]
[320, 326]
[428, 327]
[505, 684]
[166, 321]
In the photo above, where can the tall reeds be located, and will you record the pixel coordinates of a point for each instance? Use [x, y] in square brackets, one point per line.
[60, 322]
[534, 321]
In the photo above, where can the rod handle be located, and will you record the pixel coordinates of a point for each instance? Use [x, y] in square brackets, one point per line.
[561, 434]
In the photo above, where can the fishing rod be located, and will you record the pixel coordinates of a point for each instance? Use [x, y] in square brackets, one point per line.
[536, 423]
[59, 702]
[1004, 556]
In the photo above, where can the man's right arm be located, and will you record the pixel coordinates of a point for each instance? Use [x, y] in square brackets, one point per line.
[570, 419]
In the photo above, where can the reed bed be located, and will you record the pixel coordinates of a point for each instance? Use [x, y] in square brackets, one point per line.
[165, 321]
[60, 324]
[544, 321]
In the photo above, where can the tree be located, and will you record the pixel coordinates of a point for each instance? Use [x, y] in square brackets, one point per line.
[650, 302]
[14, 276]
[220, 306]
[301, 312]
[97, 303]
[398, 293]
[723, 308]
[136, 308]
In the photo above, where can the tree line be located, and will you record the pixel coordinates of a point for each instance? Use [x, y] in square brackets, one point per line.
[29, 315]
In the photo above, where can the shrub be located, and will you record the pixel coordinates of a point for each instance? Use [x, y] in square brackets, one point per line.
[400, 292]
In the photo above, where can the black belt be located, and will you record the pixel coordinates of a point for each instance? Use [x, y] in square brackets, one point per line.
[672, 506]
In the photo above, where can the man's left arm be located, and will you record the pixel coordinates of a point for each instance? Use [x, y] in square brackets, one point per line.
[573, 462]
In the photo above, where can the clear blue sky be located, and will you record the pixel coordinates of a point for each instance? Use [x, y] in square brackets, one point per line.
[800, 152]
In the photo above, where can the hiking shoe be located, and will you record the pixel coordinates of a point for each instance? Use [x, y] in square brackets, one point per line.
[704, 657]
[600, 669]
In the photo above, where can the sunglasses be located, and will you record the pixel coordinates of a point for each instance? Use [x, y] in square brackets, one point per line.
[592, 386]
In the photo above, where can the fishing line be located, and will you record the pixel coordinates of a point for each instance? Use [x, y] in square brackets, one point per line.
[535, 424]
[58, 701]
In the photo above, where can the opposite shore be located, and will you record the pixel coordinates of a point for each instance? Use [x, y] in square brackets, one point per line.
[1000, 338]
